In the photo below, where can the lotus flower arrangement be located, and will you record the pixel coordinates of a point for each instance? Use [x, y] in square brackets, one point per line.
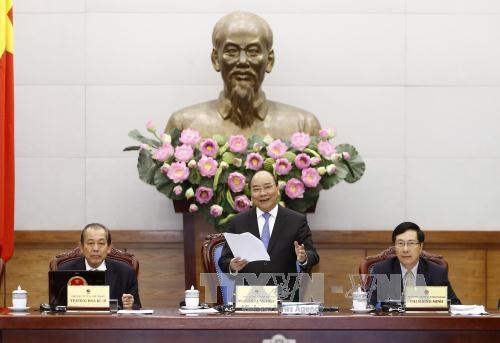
[213, 172]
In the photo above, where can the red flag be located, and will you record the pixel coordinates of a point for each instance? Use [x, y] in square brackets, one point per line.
[6, 131]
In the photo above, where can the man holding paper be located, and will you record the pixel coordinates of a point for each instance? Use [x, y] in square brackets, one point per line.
[284, 232]
[95, 244]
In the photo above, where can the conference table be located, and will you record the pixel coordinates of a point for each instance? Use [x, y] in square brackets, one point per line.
[168, 325]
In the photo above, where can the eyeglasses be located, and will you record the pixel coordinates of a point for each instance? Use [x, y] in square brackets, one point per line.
[267, 188]
[409, 244]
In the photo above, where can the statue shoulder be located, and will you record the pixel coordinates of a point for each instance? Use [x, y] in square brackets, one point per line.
[186, 116]
[308, 122]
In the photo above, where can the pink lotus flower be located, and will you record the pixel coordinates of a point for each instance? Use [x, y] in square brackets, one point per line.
[191, 164]
[178, 172]
[326, 149]
[300, 140]
[193, 208]
[281, 184]
[177, 190]
[209, 147]
[283, 166]
[327, 134]
[165, 138]
[294, 189]
[346, 156]
[236, 182]
[276, 149]
[323, 134]
[164, 168]
[190, 136]
[150, 126]
[183, 152]
[241, 203]
[204, 194]
[321, 170]
[215, 211]
[302, 161]
[207, 166]
[310, 177]
[331, 169]
[189, 193]
[237, 162]
[164, 152]
[257, 147]
[237, 143]
[254, 161]
[315, 161]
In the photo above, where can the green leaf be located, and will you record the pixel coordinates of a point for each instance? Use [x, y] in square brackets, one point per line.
[163, 184]
[135, 134]
[146, 167]
[328, 181]
[194, 176]
[256, 139]
[175, 134]
[132, 147]
[342, 170]
[229, 198]
[355, 165]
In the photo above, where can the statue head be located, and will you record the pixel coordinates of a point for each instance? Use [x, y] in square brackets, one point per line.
[242, 53]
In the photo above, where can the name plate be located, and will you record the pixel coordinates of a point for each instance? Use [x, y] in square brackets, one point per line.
[88, 297]
[426, 297]
[257, 297]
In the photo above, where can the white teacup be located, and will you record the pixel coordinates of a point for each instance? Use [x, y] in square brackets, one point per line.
[359, 300]
[19, 298]
[192, 297]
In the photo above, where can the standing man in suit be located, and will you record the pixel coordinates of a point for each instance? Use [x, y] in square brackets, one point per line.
[284, 232]
[95, 243]
[408, 266]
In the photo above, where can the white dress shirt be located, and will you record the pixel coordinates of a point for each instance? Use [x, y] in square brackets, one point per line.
[102, 266]
[261, 220]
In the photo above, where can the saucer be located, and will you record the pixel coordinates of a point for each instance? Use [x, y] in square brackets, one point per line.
[366, 310]
[18, 309]
[191, 308]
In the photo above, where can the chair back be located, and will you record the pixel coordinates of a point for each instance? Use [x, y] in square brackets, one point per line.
[366, 266]
[76, 253]
[211, 251]
[2, 280]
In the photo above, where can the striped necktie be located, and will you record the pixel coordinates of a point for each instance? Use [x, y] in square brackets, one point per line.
[409, 279]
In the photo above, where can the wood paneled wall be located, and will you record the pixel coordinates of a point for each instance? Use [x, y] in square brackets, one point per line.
[473, 256]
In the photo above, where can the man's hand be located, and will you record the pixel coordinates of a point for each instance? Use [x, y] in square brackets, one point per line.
[127, 301]
[300, 251]
[237, 264]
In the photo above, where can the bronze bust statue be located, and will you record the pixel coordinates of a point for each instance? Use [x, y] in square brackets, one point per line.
[243, 53]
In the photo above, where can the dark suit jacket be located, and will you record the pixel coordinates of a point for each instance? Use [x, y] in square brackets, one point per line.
[120, 277]
[434, 275]
[289, 226]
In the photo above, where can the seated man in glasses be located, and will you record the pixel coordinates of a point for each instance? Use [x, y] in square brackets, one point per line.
[412, 270]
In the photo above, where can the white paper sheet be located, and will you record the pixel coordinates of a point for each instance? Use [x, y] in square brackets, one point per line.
[135, 311]
[199, 311]
[247, 246]
[467, 310]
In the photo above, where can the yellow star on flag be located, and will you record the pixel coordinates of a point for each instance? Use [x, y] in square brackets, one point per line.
[6, 29]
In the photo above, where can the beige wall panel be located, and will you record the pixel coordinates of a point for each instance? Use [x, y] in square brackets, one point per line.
[493, 278]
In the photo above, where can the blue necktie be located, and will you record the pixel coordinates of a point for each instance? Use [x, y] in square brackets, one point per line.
[265, 229]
